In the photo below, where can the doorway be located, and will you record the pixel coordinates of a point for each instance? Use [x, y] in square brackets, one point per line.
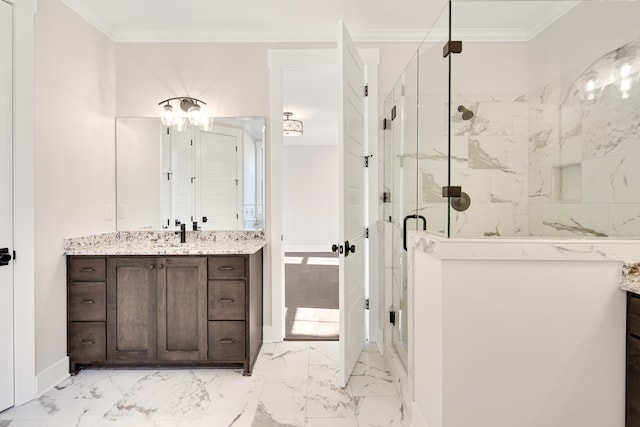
[310, 200]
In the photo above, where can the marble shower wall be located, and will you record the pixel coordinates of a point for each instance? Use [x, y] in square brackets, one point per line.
[488, 159]
[584, 151]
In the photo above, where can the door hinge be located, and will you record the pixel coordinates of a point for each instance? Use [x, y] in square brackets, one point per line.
[14, 255]
[393, 113]
[237, 181]
[366, 232]
[366, 160]
[167, 131]
[366, 90]
[237, 216]
[192, 142]
[386, 124]
[193, 178]
[236, 148]
[169, 176]
[366, 304]
[392, 317]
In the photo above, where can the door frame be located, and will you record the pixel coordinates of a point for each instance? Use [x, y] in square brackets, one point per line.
[24, 205]
[278, 61]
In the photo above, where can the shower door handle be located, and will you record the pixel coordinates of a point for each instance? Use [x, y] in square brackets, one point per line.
[404, 227]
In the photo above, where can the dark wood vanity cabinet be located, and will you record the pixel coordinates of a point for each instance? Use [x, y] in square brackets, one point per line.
[632, 404]
[164, 311]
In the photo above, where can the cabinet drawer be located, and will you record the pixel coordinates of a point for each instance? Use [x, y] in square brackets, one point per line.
[226, 300]
[226, 267]
[226, 341]
[87, 341]
[87, 301]
[88, 269]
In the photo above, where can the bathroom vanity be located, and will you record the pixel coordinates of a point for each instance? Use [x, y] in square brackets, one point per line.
[144, 300]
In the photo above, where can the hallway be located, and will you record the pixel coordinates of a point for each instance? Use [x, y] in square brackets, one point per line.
[294, 384]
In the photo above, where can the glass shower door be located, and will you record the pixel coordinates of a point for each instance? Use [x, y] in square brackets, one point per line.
[401, 180]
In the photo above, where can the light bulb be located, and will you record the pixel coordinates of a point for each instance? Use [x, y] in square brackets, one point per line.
[625, 70]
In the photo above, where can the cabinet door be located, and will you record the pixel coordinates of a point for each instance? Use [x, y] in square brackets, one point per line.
[131, 305]
[182, 308]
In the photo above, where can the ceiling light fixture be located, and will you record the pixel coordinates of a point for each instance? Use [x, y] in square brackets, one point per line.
[291, 127]
[188, 105]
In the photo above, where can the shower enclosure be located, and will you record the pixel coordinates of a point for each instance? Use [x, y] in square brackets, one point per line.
[528, 128]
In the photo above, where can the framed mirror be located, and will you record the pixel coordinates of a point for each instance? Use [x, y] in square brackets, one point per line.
[166, 177]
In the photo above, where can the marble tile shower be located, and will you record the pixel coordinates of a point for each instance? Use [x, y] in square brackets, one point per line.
[557, 161]
[294, 384]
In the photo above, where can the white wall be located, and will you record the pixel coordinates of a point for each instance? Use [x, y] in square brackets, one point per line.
[517, 340]
[74, 160]
[310, 198]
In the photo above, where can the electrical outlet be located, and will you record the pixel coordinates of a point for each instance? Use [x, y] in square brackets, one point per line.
[108, 212]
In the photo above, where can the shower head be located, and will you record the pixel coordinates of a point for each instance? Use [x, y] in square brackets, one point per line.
[466, 113]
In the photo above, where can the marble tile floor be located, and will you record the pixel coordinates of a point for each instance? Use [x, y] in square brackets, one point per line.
[293, 384]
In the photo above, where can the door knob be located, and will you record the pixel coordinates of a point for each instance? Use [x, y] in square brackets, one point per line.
[336, 248]
[5, 256]
[348, 248]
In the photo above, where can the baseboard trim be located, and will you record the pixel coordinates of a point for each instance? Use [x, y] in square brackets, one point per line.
[269, 334]
[52, 376]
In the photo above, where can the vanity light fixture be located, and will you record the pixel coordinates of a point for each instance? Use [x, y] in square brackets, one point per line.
[187, 104]
[291, 127]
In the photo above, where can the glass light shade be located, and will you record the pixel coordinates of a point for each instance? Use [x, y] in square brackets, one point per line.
[167, 117]
[194, 115]
[180, 124]
[206, 124]
[291, 127]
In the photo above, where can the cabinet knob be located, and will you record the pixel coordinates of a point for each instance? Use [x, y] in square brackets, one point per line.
[160, 266]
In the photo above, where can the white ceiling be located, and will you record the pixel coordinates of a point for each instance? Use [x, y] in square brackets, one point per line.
[305, 20]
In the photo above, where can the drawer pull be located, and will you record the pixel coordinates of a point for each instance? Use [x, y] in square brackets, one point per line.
[226, 340]
[225, 300]
[225, 267]
[88, 341]
[87, 301]
[632, 335]
[88, 269]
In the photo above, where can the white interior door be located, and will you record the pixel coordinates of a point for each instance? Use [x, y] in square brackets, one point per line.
[219, 195]
[352, 122]
[183, 177]
[6, 206]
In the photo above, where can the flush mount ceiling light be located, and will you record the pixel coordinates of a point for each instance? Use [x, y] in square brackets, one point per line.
[188, 105]
[291, 127]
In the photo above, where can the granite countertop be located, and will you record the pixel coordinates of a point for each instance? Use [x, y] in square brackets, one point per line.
[166, 243]
[631, 278]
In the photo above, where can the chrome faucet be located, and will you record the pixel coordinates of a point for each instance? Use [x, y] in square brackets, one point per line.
[183, 233]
